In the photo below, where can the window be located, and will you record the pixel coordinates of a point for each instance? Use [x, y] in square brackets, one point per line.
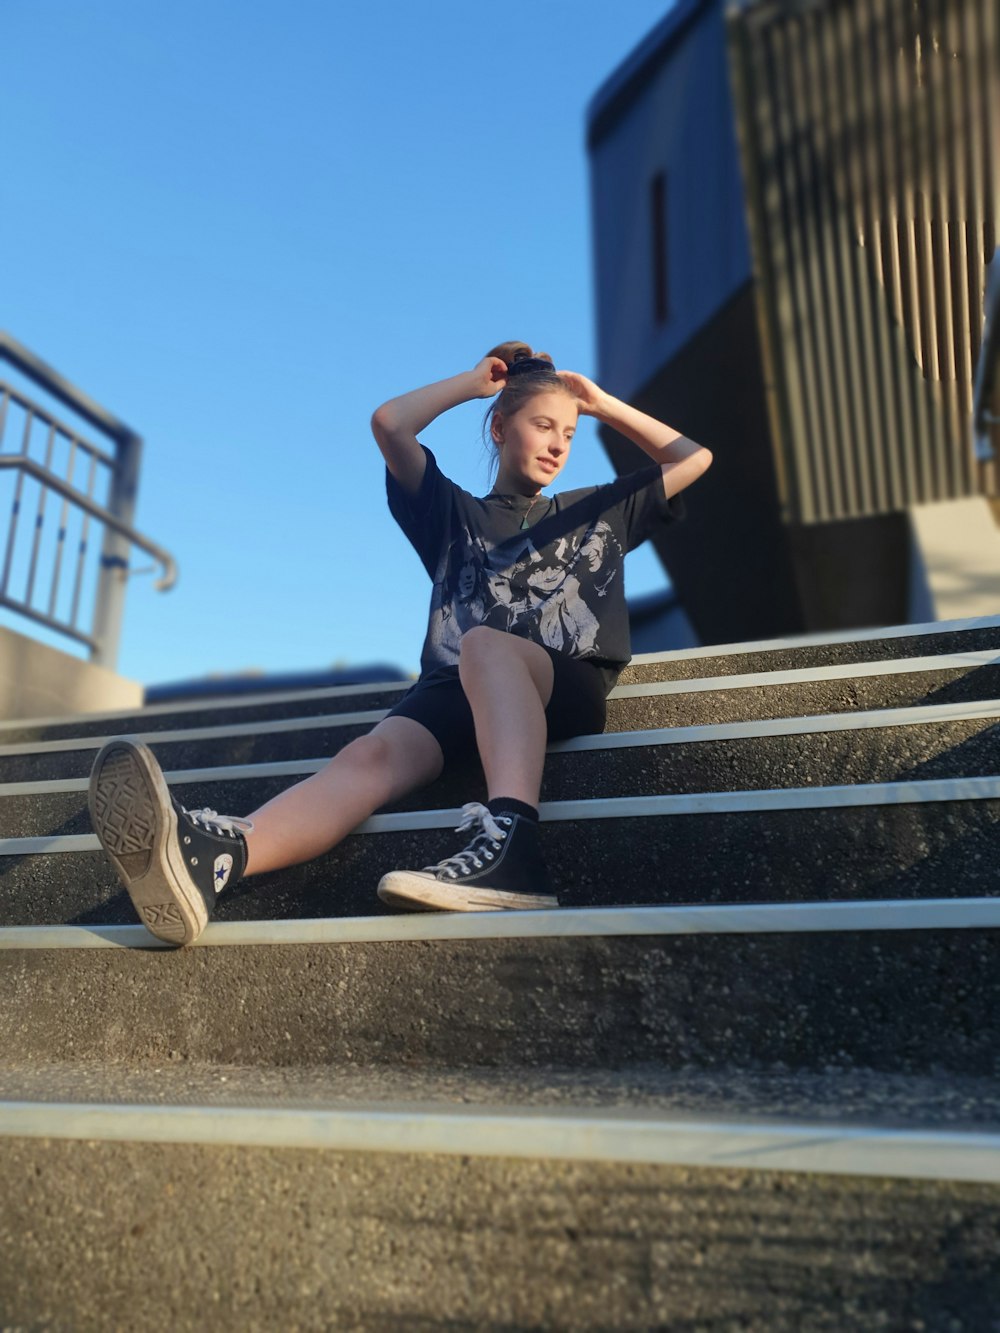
[658, 217]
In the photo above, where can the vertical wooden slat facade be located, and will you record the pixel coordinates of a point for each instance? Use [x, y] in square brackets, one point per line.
[868, 136]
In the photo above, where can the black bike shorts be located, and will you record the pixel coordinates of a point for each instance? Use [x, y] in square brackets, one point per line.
[577, 706]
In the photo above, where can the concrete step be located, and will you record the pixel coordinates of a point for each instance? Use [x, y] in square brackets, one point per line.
[902, 988]
[902, 840]
[950, 741]
[904, 683]
[803, 651]
[905, 641]
[843, 1099]
[923, 682]
[144, 1217]
[234, 711]
[244, 743]
[551, 1119]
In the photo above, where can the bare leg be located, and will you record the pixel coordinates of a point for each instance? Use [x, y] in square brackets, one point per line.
[308, 819]
[508, 682]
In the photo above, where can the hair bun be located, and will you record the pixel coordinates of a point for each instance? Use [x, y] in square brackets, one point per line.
[531, 365]
[512, 352]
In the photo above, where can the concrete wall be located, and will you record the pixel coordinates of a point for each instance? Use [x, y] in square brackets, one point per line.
[957, 548]
[39, 681]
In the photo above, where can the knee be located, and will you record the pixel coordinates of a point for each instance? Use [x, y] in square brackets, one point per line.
[370, 753]
[480, 641]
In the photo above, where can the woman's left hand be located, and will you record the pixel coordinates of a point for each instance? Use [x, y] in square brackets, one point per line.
[589, 396]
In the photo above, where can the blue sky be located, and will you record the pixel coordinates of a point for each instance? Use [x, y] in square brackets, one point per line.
[241, 226]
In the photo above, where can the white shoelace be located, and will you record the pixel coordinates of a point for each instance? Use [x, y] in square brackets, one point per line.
[213, 822]
[487, 841]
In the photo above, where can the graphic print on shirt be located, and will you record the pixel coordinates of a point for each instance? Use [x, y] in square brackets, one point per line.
[546, 596]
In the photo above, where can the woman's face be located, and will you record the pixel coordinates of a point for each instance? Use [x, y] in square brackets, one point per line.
[534, 443]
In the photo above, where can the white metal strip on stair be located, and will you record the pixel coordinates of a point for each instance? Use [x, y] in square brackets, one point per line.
[725, 802]
[815, 724]
[900, 666]
[533, 1133]
[269, 727]
[934, 627]
[645, 689]
[635, 807]
[210, 705]
[937, 627]
[281, 768]
[891, 914]
[818, 724]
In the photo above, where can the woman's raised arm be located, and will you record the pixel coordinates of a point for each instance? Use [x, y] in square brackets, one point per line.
[681, 460]
[396, 423]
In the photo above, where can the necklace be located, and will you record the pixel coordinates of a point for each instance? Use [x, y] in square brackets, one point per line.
[508, 501]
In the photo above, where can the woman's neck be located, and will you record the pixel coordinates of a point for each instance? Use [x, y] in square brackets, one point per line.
[523, 486]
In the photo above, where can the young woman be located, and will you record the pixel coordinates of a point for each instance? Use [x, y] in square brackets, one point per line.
[527, 633]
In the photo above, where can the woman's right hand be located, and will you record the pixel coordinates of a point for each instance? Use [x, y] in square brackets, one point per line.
[397, 423]
[489, 377]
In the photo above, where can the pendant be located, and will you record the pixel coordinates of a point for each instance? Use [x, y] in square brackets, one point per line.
[524, 522]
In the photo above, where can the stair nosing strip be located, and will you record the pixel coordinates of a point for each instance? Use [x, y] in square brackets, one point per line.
[633, 807]
[208, 705]
[842, 917]
[645, 689]
[925, 629]
[794, 1146]
[267, 726]
[807, 725]
[895, 666]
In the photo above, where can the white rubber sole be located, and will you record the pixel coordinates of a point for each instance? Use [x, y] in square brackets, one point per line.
[415, 891]
[134, 820]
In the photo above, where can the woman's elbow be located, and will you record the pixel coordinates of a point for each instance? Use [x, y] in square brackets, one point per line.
[382, 423]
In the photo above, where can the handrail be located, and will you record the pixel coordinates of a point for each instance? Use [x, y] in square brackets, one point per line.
[16, 395]
[60, 388]
[111, 509]
[49, 622]
[986, 367]
[95, 510]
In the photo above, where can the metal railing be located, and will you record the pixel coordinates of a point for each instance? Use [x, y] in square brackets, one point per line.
[870, 136]
[54, 571]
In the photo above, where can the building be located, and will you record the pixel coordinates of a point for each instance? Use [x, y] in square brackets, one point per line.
[794, 205]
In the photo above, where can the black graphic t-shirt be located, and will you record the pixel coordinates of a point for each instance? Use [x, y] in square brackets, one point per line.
[558, 582]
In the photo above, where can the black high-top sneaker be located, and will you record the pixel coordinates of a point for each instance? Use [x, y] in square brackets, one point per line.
[500, 870]
[174, 862]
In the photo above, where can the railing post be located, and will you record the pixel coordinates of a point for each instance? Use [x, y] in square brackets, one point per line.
[109, 606]
[115, 512]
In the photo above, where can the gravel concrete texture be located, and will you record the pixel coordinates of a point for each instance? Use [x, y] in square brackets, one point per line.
[212, 715]
[815, 655]
[919, 751]
[314, 743]
[833, 1096]
[847, 695]
[624, 714]
[135, 1237]
[689, 668]
[906, 1002]
[923, 850]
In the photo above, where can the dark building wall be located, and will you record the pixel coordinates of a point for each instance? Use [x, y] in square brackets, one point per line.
[728, 560]
[666, 114]
[740, 571]
[739, 568]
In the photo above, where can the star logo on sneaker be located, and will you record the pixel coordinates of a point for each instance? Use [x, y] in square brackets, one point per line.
[223, 869]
